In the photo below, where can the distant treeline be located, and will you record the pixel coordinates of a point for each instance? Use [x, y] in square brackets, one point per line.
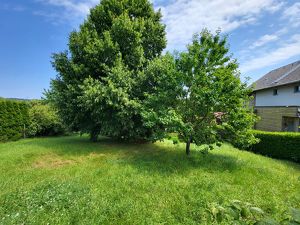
[20, 119]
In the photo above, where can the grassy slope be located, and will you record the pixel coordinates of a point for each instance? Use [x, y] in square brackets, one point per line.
[70, 180]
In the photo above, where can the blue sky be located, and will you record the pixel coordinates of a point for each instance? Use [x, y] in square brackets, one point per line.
[263, 35]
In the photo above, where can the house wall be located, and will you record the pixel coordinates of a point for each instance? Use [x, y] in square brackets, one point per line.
[286, 97]
[271, 118]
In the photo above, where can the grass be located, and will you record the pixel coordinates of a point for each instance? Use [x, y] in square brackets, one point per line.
[70, 180]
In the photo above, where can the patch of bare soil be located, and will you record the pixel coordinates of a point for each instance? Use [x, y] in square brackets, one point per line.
[95, 155]
[51, 161]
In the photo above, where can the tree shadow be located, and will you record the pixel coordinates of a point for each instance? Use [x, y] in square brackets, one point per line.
[146, 158]
[165, 161]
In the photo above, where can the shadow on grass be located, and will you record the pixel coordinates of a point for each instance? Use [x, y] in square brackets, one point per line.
[148, 158]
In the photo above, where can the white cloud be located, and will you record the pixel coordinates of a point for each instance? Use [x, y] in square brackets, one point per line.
[182, 17]
[264, 40]
[286, 51]
[292, 13]
[70, 10]
[12, 7]
[285, 43]
[186, 17]
[79, 8]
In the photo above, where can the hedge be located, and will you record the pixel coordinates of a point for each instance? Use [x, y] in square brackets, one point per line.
[13, 116]
[280, 145]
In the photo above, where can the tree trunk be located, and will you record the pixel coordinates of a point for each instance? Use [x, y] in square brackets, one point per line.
[93, 138]
[188, 146]
[94, 135]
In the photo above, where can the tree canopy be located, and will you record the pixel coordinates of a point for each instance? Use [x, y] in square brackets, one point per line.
[213, 104]
[99, 84]
[114, 81]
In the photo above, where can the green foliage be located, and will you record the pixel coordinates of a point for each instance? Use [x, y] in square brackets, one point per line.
[99, 84]
[69, 180]
[292, 217]
[113, 81]
[281, 145]
[30, 118]
[237, 212]
[211, 84]
[13, 117]
[161, 89]
[44, 120]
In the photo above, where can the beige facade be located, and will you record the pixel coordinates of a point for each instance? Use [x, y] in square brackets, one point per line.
[278, 118]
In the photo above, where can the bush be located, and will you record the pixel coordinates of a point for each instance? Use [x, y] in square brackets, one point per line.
[34, 118]
[44, 121]
[14, 117]
[281, 145]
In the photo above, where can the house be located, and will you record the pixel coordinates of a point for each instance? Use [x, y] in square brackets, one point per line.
[277, 99]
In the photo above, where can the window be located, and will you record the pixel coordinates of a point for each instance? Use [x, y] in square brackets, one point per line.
[275, 92]
[297, 89]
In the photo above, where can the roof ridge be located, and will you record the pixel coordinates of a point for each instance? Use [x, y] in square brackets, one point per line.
[296, 62]
[286, 74]
[283, 75]
[274, 70]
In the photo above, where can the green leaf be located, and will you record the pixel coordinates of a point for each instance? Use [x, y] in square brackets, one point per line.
[266, 222]
[256, 210]
[295, 214]
[245, 212]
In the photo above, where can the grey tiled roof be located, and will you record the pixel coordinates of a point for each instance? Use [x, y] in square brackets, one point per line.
[284, 75]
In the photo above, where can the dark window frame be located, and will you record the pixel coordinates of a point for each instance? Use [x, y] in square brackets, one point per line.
[297, 89]
[275, 92]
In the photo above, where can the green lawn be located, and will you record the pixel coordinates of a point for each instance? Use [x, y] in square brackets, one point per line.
[70, 180]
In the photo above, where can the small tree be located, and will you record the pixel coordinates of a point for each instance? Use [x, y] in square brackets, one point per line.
[44, 120]
[212, 91]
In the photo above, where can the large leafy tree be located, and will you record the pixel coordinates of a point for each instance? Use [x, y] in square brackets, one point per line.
[99, 87]
[113, 81]
[213, 105]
